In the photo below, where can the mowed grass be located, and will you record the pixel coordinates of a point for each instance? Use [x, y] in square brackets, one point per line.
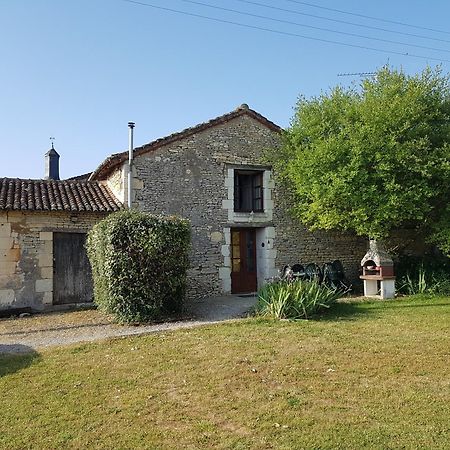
[364, 375]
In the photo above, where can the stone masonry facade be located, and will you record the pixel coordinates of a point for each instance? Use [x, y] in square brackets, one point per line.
[188, 178]
[192, 174]
[26, 254]
[193, 177]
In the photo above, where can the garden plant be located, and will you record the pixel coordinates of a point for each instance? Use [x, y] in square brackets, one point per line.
[297, 299]
[139, 264]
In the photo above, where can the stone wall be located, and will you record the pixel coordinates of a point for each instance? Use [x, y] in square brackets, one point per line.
[187, 178]
[26, 254]
[117, 183]
[192, 178]
[295, 244]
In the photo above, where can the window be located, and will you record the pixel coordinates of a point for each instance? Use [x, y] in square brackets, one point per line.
[248, 191]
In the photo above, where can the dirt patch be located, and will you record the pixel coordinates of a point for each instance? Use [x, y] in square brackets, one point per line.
[54, 320]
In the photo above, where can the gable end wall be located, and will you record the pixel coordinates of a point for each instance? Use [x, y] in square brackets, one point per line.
[189, 178]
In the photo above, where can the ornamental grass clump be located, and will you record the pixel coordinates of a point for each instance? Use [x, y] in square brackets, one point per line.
[424, 281]
[295, 300]
[423, 275]
[139, 263]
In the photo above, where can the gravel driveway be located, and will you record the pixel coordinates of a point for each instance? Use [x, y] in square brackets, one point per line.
[54, 329]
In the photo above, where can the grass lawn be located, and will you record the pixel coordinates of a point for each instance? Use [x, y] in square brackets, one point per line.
[365, 375]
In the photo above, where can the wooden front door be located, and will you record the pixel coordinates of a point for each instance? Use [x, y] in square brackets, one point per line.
[243, 260]
[72, 278]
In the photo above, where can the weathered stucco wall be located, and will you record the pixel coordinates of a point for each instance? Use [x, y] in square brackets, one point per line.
[26, 254]
[191, 178]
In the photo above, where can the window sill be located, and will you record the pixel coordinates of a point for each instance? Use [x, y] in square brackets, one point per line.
[248, 212]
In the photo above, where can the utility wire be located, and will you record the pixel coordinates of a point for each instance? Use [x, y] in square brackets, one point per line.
[357, 74]
[194, 2]
[368, 17]
[284, 33]
[293, 11]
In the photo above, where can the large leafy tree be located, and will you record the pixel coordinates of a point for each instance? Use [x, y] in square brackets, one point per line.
[373, 158]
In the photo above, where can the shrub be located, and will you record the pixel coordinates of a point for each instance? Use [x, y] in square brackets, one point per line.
[139, 264]
[424, 281]
[423, 275]
[294, 300]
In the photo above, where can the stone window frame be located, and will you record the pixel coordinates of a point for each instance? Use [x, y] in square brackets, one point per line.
[257, 217]
[262, 221]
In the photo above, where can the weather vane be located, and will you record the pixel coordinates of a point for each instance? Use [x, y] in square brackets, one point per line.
[52, 139]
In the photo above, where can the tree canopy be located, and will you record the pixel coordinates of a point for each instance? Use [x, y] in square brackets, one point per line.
[373, 158]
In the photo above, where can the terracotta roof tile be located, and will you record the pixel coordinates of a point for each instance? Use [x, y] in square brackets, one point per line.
[50, 195]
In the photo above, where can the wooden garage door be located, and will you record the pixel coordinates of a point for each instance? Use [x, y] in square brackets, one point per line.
[72, 279]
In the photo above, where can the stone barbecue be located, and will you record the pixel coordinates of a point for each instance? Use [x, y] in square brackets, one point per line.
[378, 272]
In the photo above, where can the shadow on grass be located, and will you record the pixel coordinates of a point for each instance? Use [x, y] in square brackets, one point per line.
[396, 304]
[345, 311]
[16, 357]
[337, 312]
[356, 310]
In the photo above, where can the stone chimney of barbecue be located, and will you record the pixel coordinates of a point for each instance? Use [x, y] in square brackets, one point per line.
[51, 165]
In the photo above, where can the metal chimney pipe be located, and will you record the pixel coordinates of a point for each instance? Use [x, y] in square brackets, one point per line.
[130, 162]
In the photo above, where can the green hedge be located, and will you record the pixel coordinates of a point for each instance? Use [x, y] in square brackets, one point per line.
[139, 264]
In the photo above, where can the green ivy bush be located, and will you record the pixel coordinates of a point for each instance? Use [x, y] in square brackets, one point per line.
[295, 299]
[139, 263]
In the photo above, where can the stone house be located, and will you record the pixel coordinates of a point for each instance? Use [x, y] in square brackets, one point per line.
[214, 174]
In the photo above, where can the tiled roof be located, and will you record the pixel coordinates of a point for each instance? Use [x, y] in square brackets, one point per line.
[50, 195]
[118, 158]
[82, 177]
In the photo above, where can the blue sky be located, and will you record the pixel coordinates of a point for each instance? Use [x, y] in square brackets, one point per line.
[80, 70]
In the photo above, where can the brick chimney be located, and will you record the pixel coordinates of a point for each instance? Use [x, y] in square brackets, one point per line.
[51, 165]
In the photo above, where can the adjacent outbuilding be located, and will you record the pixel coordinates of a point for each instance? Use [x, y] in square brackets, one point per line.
[43, 226]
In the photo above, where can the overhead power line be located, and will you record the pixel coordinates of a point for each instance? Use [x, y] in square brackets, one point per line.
[357, 74]
[345, 33]
[293, 11]
[284, 33]
[379, 19]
